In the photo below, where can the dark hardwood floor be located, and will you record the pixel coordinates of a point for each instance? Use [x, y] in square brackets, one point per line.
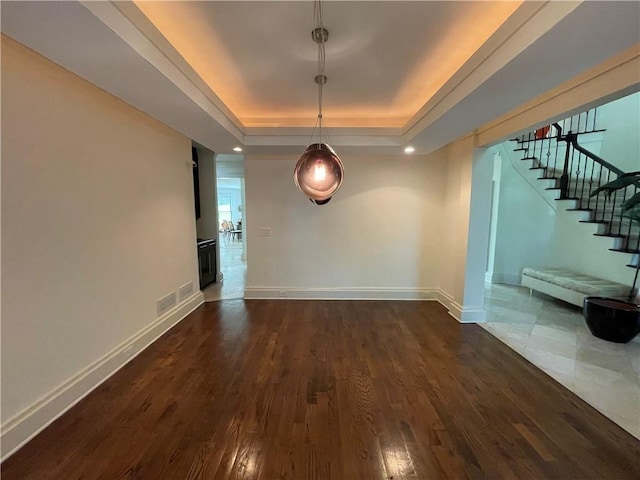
[340, 389]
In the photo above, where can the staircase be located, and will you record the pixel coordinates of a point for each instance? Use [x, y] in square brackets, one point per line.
[575, 173]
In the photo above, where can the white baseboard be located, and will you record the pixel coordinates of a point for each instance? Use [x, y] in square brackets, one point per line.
[460, 313]
[457, 311]
[508, 278]
[447, 301]
[473, 315]
[21, 428]
[340, 293]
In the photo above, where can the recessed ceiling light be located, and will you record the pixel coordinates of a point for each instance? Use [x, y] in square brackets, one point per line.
[237, 149]
[409, 149]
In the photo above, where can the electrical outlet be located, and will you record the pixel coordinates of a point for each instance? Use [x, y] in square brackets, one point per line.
[284, 293]
[265, 231]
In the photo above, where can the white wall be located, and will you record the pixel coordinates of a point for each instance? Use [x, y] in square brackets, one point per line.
[532, 233]
[574, 247]
[97, 224]
[230, 165]
[466, 228]
[380, 236]
[457, 159]
[495, 202]
[479, 224]
[231, 187]
[621, 141]
[525, 225]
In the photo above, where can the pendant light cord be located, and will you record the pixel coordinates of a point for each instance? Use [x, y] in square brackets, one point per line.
[319, 171]
[318, 18]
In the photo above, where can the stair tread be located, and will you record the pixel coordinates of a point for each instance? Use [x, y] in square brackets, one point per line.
[558, 188]
[602, 205]
[625, 250]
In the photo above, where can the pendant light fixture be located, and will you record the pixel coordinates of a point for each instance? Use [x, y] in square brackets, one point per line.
[319, 171]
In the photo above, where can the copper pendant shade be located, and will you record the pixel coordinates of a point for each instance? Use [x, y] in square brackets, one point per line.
[319, 171]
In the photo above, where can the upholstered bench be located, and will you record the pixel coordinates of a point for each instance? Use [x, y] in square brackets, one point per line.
[570, 286]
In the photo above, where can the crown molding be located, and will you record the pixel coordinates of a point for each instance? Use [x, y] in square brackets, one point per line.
[612, 79]
[126, 20]
[528, 23]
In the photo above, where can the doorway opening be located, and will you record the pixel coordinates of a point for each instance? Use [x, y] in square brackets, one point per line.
[231, 223]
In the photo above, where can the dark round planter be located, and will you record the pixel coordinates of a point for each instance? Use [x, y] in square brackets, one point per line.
[613, 320]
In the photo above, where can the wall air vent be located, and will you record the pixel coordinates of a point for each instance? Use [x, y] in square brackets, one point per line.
[166, 303]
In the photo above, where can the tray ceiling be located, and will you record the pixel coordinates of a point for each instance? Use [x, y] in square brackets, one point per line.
[384, 60]
[240, 73]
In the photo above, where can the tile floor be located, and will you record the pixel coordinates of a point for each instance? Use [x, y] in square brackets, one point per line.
[234, 271]
[553, 336]
[549, 333]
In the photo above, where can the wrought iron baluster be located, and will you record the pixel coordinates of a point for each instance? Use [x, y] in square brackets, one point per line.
[580, 172]
[579, 177]
[616, 211]
[586, 121]
[599, 212]
[635, 244]
[564, 178]
[575, 184]
[557, 138]
[589, 199]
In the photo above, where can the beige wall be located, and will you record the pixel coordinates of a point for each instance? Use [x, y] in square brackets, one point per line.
[378, 237]
[398, 228]
[457, 231]
[97, 224]
[458, 157]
